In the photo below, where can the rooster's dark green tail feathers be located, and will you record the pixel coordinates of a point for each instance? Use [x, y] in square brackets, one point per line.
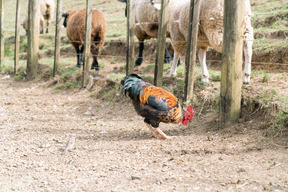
[131, 86]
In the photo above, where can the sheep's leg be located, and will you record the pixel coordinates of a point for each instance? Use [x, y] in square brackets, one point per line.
[248, 56]
[47, 25]
[81, 54]
[139, 60]
[202, 59]
[78, 52]
[95, 52]
[167, 56]
[173, 70]
[41, 25]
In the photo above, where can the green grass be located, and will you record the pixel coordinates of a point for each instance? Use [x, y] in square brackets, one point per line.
[149, 68]
[117, 76]
[269, 16]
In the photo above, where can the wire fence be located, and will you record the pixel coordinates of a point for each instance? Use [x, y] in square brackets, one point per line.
[113, 28]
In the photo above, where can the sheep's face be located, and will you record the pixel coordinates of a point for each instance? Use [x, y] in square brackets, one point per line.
[65, 15]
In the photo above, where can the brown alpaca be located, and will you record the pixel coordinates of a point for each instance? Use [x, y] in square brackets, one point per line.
[74, 21]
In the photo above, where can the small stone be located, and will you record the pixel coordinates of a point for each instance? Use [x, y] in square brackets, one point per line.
[158, 182]
[135, 177]
[103, 132]
[87, 113]
[241, 170]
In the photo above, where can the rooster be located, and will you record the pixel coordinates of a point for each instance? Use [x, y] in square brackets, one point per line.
[155, 104]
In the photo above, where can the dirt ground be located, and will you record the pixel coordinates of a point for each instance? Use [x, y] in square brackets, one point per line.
[110, 148]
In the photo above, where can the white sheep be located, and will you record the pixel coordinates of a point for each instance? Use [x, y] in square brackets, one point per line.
[147, 21]
[46, 13]
[210, 33]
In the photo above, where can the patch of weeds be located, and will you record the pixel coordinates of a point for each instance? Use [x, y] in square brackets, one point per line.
[180, 84]
[113, 59]
[74, 85]
[6, 69]
[8, 51]
[102, 65]
[92, 95]
[70, 78]
[167, 67]
[266, 78]
[279, 121]
[198, 84]
[45, 72]
[148, 68]
[281, 78]
[216, 75]
[110, 92]
[267, 95]
[56, 91]
[216, 104]
[117, 76]
[21, 74]
[148, 79]
[122, 68]
[179, 89]
[23, 45]
[180, 71]
[257, 72]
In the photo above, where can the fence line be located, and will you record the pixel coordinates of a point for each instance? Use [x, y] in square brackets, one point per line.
[155, 40]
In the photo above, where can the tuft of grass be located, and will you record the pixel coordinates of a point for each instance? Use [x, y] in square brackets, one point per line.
[216, 75]
[122, 68]
[279, 121]
[265, 96]
[117, 76]
[266, 78]
[6, 69]
[149, 68]
[113, 59]
[180, 71]
[21, 74]
[149, 79]
[92, 95]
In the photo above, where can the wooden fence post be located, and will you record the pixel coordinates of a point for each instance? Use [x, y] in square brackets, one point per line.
[162, 28]
[17, 37]
[87, 43]
[231, 71]
[130, 37]
[1, 32]
[33, 38]
[57, 37]
[190, 60]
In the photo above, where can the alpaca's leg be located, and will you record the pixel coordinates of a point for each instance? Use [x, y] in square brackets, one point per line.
[202, 59]
[173, 70]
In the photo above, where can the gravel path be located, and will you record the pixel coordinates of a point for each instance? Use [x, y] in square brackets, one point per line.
[108, 148]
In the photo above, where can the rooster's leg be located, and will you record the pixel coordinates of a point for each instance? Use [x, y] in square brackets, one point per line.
[163, 135]
[154, 134]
